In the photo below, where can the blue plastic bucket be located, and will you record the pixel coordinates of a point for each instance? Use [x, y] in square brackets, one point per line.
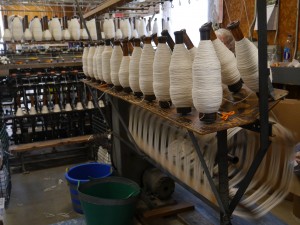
[81, 174]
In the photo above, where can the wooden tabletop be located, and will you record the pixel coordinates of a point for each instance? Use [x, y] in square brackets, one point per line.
[243, 103]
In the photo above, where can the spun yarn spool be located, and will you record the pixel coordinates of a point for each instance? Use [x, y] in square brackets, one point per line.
[161, 76]
[134, 68]
[119, 33]
[47, 36]
[230, 74]
[126, 29]
[37, 31]
[146, 70]
[17, 29]
[124, 68]
[106, 55]
[99, 61]
[95, 63]
[56, 31]
[247, 57]
[84, 60]
[207, 83]
[92, 29]
[27, 32]
[90, 60]
[7, 36]
[142, 28]
[155, 27]
[75, 29]
[181, 76]
[115, 62]
[83, 34]
[110, 29]
[66, 33]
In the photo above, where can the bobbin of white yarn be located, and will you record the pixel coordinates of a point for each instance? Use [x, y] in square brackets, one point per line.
[84, 60]
[7, 36]
[95, 63]
[106, 55]
[134, 68]
[124, 68]
[230, 74]
[90, 60]
[27, 32]
[155, 27]
[207, 83]
[99, 61]
[161, 76]
[110, 29]
[181, 76]
[56, 32]
[47, 36]
[247, 57]
[126, 29]
[17, 29]
[142, 28]
[146, 70]
[115, 62]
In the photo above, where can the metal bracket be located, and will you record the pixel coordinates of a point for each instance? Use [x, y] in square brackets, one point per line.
[255, 126]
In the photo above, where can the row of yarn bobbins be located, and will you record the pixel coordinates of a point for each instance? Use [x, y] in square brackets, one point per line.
[206, 94]
[17, 28]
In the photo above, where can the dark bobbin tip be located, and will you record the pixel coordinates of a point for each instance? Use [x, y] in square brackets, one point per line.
[149, 98]
[233, 24]
[162, 39]
[165, 104]
[184, 110]
[110, 85]
[178, 37]
[107, 42]
[138, 94]
[205, 31]
[208, 117]
[235, 87]
[127, 90]
[118, 88]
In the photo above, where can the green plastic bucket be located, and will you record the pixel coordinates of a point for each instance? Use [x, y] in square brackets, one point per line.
[109, 201]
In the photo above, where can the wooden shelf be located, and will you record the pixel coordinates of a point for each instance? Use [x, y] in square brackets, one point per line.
[50, 143]
[244, 103]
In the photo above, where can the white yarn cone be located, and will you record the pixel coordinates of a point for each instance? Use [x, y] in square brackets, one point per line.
[90, 105]
[79, 106]
[99, 62]
[207, 84]
[134, 69]
[106, 55]
[193, 52]
[37, 29]
[17, 29]
[247, 63]
[103, 35]
[229, 71]
[84, 60]
[68, 107]
[115, 62]
[181, 77]
[155, 27]
[56, 29]
[47, 35]
[126, 29]
[124, 72]
[45, 109]
[142, 28]
[32, 111]
[83, 34]
[90, 61]
[75, 29]
[27, 35]
[92, 29]
[95, 63]
[50, 25]
[161, 77]
[119, 34]
[146, 70]
[135, 34]
[105, 25]
[19, 112]
[7, 36]
[66, 35]
[110, 29]
[56, 108]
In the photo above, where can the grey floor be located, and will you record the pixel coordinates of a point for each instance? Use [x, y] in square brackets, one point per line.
[42, 198]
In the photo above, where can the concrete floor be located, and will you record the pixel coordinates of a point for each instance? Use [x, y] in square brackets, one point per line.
[42, 198]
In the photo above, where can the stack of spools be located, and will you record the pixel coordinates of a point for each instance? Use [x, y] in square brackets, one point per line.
[181, 76]
[124, 68]
[247, 57]
[115, 62]
[207, 85]
[134, 67]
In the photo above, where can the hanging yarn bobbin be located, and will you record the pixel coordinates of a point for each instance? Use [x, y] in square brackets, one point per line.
[134, 68]
[84, 60]
[106, 55]
[124, 68]
[99, 61]
[161, 76]
[90, 61]
[115, 62]
[95, 63]
[170, 40]
[146, 70]
[229, 71]
[189, 44]
[207, 84]
[246, 56]
[181, 76]
[7, 36]
[27, 32]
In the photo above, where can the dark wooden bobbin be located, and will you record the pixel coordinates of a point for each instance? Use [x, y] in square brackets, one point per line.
[205, 34]
[179, 40]
[187, 41]
[170, 41]
[149, 98]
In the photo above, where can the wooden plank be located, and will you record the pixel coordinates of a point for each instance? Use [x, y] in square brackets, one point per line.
[50, 143]
[168, 210]
[244, 103]
[101, 7]
[193, 218]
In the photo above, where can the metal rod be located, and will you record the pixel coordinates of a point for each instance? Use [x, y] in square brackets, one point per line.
[206, 171]
[263, 103]
[18, 10]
